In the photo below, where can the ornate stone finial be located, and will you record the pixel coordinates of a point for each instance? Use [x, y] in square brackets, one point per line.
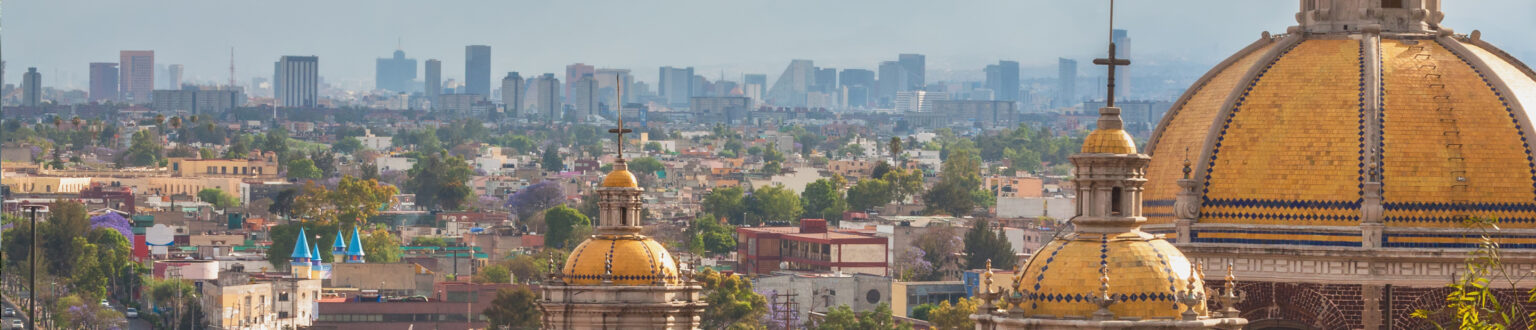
[988, 294]
[608, 270]
[1190, 297]
[1103, 300]
[1232, 296]
[1015, 303]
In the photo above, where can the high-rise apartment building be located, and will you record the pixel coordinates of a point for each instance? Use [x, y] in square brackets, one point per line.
[826, 80]
[918, 101]
[893, 78]
[173, 75]
[573, 74]
[790, 89]
[104, 82]
[676, 85]
[761, 80]
[31, 88]
[434, 83]
[1003, 80]
[1122, 41]
[395, 73]
[298, 80]
[856, 77]
[915, 66]
[1066, 82]
[136, 75]
[512, 90]
[547, 102]
[584, 98]
[477, 70]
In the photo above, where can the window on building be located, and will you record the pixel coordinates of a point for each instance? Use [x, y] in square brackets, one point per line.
[1115, 201]
[1391, 3]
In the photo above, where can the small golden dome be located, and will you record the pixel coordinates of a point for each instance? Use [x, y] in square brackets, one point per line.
[635, 260]
[1145, 276]
[620, 178]
[1109, 141]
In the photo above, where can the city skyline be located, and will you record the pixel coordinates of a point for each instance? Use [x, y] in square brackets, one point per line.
[958, 39]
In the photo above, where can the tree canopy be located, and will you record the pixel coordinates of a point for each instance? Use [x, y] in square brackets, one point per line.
[440, 182]
[774, 203]
[823, 199]
[514, 308]
[562, 222]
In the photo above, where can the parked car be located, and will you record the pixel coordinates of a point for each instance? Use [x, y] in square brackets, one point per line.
[16, 324]
[104, 303]
[10, 312]
[131, 313]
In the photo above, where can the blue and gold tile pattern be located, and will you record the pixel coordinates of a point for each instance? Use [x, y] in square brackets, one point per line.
[1145, 275]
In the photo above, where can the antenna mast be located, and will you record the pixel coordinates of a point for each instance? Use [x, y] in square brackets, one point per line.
[231, 67]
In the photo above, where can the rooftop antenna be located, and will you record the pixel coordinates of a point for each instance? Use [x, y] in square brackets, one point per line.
[1112, 61]
[231, 67]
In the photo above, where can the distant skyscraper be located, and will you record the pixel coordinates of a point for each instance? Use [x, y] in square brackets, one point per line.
[298, 81]
[434, 76]
[584, 97]
[547, 101]
[136, 75]
[676, 85]
[31, 88]
[893, 78]
[104, 82]
[790, 89]
[915, 66]
[573, 74]
[395, 73]
[512, 90]
[1066, 82]
[918, 101]
[477, 70]
[756, 78]
[173, 73]
[1003, 80]
[856, 77]
[1122, 41]
[610, 79]
[826, 80]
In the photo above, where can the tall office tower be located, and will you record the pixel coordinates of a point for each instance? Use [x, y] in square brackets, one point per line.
[1122, 41]
[1066, 82]
[104, 82]
[893, 78]
[790, 89]
[826, 80]
[856, 77]
[394, 74]
[173, 74]
[547, 101]
[434, 83]
[700, 87]
[31, 88]
[761, 80]
[918, 101]
[609, 79]
[584, 97]
[298, 81]
[915, 66]
[1003, 80]
[512, 90]
[136, 75]
[675, 86]
[477, 70]
[573, 74]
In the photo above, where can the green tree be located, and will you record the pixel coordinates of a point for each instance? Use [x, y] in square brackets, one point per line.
[843, 318]
[922, 312]
[513, 308]
[440, 182]
[868, 194]
[708, 235]
[726, 201]
[551, 160]
[732, 303]
[1473, 302]
[653, 147]
[428, 241]
[646, 165]
[493, 274]
[562, 221]
[771, 168]
[894, 146]
[954, 317]
[823, 199]
[983, 244]
[380, 246]
[348, 145]
[355, 200]
[880, 170]
[775, 203]
[144, 151]
[904, 183]
[218, 197]
[303, 168]
[276, 141]
[283, 237]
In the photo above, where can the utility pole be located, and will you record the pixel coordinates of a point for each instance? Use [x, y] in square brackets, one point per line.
[32, 253]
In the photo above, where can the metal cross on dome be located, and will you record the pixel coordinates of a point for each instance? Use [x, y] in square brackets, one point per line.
[618, 97]
[1112, 61]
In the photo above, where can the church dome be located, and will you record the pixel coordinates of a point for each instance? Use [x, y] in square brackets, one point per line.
[1109, 141]
[620, 178]
[1334, 125]
[634, 260]
[1146, 275]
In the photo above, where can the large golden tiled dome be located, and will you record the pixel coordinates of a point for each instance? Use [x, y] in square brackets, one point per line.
[1296, 129]
[634, 260]
[1146, 276]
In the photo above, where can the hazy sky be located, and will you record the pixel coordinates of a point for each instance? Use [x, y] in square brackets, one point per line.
[61, 37]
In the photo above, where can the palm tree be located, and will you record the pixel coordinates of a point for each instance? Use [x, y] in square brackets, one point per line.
[895, 146]
[176, 122]
[57, 122]
[76, 121]
[193, 118]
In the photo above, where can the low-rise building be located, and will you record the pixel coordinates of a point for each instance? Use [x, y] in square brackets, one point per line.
[811, 247]
[816, 292]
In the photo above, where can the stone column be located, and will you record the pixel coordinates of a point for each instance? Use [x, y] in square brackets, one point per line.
[1186, 208]
[1370, 314]
[1371, 216]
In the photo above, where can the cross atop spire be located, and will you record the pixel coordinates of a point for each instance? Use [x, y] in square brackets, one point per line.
[618, 101]
[1112, 61]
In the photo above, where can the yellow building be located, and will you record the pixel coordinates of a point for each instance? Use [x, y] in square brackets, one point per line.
[188, 167]
[45, 185]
